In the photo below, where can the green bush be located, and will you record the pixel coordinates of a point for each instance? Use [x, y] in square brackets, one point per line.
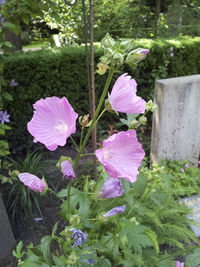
[62, 71]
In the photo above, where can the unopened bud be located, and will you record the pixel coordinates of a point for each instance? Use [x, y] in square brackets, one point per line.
[75, 219]
[127, 45]
[102, 67]
[150, 106]
[85, 120]
[107, 41]
[118, 58]
[136, 56]
[142, 120]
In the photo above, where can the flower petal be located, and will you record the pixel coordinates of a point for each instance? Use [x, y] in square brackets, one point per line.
[121, 155]
[123, 97]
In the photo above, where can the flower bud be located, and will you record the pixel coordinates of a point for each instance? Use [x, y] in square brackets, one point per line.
[142, 120]
[118, 58]
[107, 41]
[150, 106]
[102, 67]
[75, 219]
[85, 120]
[127, 45]
[136, 56]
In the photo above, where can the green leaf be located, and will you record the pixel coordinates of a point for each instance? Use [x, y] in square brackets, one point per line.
[140, 184]
[193, 259]
[8, 44]
[57, 261]
[7, 96]
[136, 236]
[11, 27]
[54, 229]
[45, 247]
[80, 198]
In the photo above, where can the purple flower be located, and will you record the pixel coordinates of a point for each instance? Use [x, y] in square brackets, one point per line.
[4, 117]
[67, 170]
[182, 170]
[79, 236]
[38, 219]
[171, 48]
[171, 54]
[89, 261]
[123, 96]
[54, 120]
[111, 188]
[199, 162]
[115, 211]
[32, 182]
[186, 165]
[179, 264]
[13, 83]
[121, 155]
[143, 52]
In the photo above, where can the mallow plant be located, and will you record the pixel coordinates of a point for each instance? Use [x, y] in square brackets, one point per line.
[114, 220]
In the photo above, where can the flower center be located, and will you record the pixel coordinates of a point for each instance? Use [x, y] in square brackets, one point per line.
[62, 127]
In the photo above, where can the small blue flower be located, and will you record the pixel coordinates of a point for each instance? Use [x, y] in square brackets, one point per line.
[13, 83]
[4, 117]
[89, 261]
[78, 236]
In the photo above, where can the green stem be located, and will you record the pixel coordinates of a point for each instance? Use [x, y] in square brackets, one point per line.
[68, 197]
[101, 115]
[81, 139]
[55, 194]
[150, 189]
[111, 72]
[88, 154]
[76, 146]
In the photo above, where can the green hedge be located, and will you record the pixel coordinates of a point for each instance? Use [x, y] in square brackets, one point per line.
[62, 71]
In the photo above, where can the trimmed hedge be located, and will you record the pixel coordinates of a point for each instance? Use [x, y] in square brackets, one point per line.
[62, 72]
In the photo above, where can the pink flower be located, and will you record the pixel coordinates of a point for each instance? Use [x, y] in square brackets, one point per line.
[123, 97]
[179, 264]
[111, 188]
[171, 54]
[54, 120]
[121, 155]
[32, 182]
[115, 211]
[182, 170]
[199, 162]
[186, 165]
[67, 170]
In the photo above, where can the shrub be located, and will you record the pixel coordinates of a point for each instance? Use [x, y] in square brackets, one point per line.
[62, 72]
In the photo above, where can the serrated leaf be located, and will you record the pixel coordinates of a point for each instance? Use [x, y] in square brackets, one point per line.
[137, 238]
[193, 259]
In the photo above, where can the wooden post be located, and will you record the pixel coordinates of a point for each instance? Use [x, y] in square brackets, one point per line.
[94, 132]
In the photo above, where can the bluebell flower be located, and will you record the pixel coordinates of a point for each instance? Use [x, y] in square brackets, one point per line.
[78, 236]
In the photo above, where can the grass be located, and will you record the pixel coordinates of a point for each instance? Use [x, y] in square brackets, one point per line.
[37, 43]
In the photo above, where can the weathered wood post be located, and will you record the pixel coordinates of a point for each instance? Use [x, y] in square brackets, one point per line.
[176, 123]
